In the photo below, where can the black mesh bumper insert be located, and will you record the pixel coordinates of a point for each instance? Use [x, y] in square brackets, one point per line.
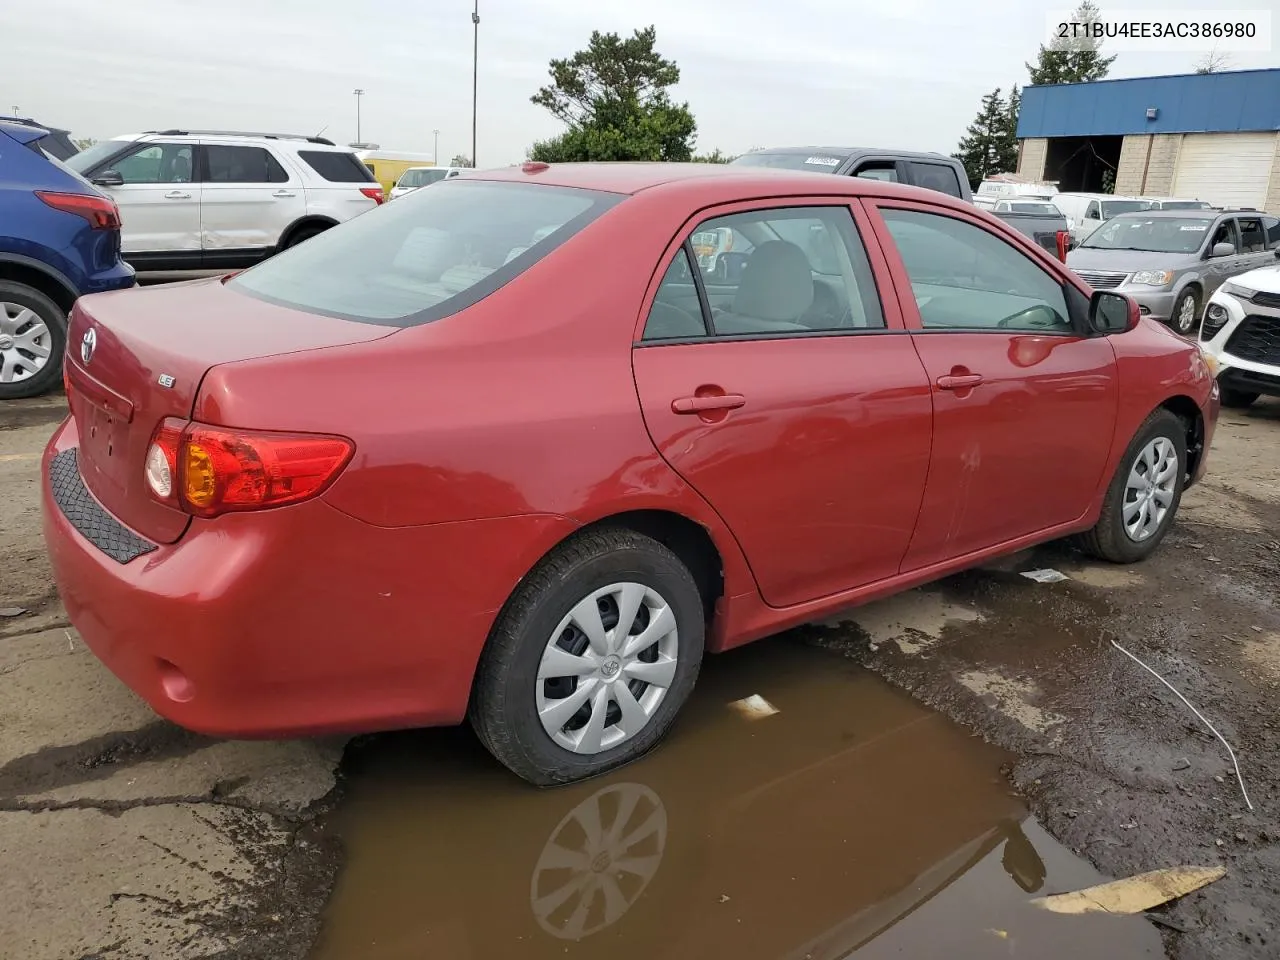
[85, 513]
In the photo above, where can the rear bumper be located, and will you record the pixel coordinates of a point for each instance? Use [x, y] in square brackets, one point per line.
[120, 277]
[294, 621]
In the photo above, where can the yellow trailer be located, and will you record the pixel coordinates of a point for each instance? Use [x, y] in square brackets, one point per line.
[388, 165]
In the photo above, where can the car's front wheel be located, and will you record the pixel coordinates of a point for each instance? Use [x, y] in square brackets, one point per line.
[591, 659]
[1186, 312]
[1144, 494]
[33, 333]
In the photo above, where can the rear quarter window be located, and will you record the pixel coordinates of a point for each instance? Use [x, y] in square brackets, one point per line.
[426, 256]
[936, 176]
[337, 166]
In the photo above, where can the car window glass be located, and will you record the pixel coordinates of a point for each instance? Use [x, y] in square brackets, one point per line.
[1224, 234]
[879, 170]
[1252, 237]
[1155, 234]
[936, 176]
[157, 163]
[1272, 227]
[965, 278]
[1094, 212]
[676, 311]
[242, 165]
[786, 270]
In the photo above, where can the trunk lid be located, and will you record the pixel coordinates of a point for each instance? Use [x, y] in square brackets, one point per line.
[137, 356]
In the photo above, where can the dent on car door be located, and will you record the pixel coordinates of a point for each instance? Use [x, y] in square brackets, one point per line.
[788, 397]
[1024, 401]
[249, 200]
[159, 200]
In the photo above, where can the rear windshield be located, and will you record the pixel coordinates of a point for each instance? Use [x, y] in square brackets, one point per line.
[428, 255]
[815, 162]
[1183, 205]
[420, 178]
[1047, 208]
[337, 166]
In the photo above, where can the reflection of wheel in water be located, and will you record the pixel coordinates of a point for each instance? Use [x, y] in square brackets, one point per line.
[598, 861]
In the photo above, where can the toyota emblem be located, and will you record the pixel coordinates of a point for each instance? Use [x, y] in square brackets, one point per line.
[88, 344]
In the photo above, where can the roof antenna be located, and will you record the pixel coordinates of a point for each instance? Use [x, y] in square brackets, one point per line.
[322, 130]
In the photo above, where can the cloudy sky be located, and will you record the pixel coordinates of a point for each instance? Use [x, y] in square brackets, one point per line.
[902, 73]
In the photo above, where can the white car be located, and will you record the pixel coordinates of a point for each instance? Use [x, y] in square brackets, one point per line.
[1240, 334]
[416, 177]
[1088, 211]
[213, 201]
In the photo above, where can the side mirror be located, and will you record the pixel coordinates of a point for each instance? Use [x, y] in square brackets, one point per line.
[109, 178]
[1222, 250]
[1111, 312]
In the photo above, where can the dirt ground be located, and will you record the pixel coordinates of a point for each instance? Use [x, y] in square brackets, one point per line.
[124, 838]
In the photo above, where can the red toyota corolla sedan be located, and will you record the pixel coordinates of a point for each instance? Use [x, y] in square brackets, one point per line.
[510, 449]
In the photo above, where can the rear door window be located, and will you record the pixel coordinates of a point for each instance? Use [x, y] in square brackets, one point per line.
[337, 166]
[403, 264]
[224, 164]
[1272, 227]
[936, 176]
[1253, 239]
[886, 170]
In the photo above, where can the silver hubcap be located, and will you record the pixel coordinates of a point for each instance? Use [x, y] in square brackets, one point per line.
[1187, 314]
[1148, 493]
[607, 667]
[598, 861]
[25, 343]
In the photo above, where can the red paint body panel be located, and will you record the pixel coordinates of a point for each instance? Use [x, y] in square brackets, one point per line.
[485, 438]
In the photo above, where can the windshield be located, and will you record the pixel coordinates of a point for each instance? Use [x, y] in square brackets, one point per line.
[1048, 208]
[815, 162]
[1157, 234]
[1113, 208]
[428, 255]
[420, 178]
[87, 159]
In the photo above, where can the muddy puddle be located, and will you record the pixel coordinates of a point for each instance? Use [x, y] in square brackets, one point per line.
[853, 822]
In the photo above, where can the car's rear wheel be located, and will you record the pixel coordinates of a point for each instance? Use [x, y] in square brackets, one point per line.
[33, 334]
[1238, 399]
[1144, 494]
[1185, 317]
[305, 233]
[591, 659]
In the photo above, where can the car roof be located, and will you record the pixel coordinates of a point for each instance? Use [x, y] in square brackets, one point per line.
[850, 151]
[629, 177]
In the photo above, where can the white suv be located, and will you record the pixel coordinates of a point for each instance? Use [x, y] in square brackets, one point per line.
[1240, 334]
[201, 200]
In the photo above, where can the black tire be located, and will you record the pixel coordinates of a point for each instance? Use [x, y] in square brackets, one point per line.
[1108, 539]
[1193, 294]
[305, 233]
[1238, 399]
[56, 322]
[503, 710]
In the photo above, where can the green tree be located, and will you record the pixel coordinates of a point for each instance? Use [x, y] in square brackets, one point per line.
[984, 148]
[1073, 59]
[1007, 160]
[614, 98]
[83, 143]
[459, 160]
[715, 156]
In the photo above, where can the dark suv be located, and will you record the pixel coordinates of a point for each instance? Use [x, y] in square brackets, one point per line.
[59, 238]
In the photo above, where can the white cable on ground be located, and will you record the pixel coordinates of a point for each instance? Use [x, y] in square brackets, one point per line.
[1234, 761]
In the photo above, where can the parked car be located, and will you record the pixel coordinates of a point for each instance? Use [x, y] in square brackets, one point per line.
[1170, 261]
[59, 238]
[932, 171]
[1088, 211]
[388, 166]
[55, 143]
[861, 409]
[416, 177]
[203, 200]
[1175, 203]
[1241, 333]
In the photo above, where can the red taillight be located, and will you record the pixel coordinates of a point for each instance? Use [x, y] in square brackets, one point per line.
[101, 212]
[374, 193]
[212, 470]
[1064, 239]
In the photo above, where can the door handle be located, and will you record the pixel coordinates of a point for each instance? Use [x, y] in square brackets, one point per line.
[284, 193]
[177, 195]
[959, 382]
[724, 401]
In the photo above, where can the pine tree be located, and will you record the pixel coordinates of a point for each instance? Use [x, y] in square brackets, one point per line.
[1075, 59]
[983, 148]
[1008, 159]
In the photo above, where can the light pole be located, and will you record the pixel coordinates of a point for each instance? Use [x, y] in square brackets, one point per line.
[435, 151]
[475, 75]
[358, 94]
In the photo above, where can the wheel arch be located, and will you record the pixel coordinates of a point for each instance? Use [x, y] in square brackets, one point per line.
[39, 276]
[302, 223]
[1188, 411]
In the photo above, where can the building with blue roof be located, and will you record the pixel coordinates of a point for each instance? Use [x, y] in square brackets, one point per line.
[1211, 137]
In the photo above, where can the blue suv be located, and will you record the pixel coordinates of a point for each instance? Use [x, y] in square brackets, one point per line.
[59, 239]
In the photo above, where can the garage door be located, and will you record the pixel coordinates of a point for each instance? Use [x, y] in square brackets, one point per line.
[1226, 169]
